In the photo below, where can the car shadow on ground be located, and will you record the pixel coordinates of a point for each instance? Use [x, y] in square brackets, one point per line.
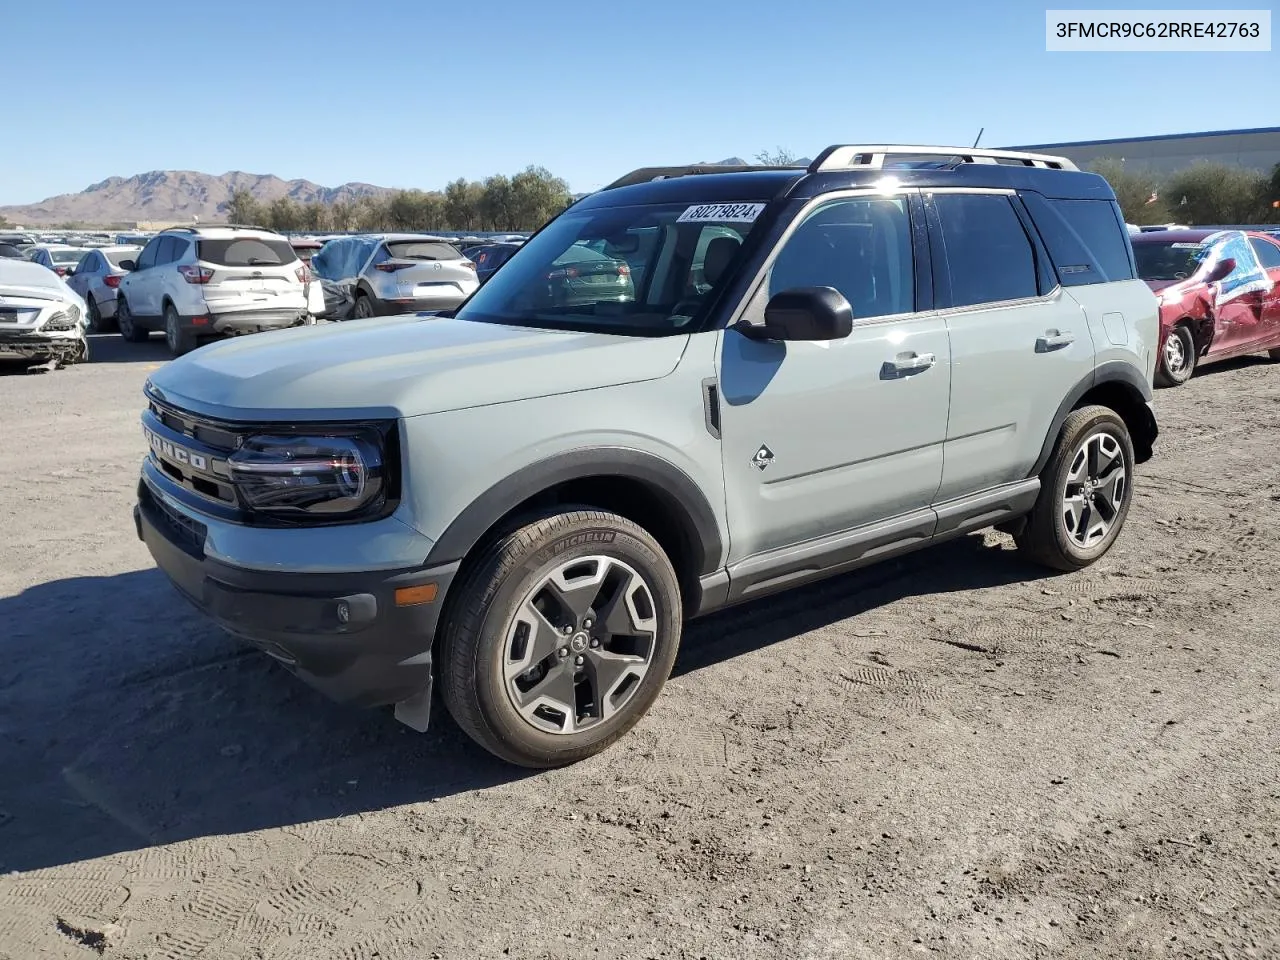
[113, 348]
[103, 348]
[127, 720]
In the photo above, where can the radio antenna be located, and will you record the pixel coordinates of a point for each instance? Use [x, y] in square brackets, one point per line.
[979, 136]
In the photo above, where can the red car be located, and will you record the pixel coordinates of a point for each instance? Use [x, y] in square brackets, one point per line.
[1219, 295]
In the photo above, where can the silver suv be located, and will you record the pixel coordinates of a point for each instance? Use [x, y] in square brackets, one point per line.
[812, 369]
[200, 282]
[381, 274]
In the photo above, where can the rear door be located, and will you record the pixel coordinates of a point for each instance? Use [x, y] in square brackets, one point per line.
[143, 283]
[1019, 342]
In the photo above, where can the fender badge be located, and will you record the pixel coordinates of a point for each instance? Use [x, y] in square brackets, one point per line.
[763, 457]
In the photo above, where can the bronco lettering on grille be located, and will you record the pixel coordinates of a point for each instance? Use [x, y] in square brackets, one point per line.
[171, 451]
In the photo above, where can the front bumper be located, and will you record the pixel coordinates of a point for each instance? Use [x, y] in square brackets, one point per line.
[343, 633]
[68, 345]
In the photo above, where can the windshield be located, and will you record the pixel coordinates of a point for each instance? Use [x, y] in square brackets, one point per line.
[1168, 261]
[641, 270]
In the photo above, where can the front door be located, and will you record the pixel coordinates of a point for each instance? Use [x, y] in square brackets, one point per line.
[1238, 298]
[823, 437]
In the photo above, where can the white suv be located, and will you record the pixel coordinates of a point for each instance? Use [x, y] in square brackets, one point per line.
[199, 282]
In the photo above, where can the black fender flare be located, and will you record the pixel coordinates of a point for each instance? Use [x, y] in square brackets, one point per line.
[674, 488]
[1112, 371]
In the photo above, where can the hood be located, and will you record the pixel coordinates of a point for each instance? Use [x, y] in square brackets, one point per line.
[24, 278]
[402, 367]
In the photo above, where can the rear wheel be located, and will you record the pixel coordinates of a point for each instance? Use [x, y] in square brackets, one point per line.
[1177, 359]
[561, 637]
[1274, 354]
[364, 307]
[178, 340]
[96, 322]
[1085, 492]
[129, 328]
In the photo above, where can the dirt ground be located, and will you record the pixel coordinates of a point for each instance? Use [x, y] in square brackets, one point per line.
[953, 756]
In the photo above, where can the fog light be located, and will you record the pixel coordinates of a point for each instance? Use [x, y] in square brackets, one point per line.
[344, 612]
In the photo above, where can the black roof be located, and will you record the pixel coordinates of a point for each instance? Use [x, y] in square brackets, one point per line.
[762, 185]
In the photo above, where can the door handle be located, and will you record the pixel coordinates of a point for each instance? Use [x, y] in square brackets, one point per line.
[1054, 340]
[905, 364]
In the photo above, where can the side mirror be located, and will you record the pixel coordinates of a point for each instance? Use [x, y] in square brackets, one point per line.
[128, 265]
[1220, 270]
[805, 313]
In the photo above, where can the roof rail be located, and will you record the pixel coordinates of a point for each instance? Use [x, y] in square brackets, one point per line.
[852, 156]
[646, 174]
[217, 226]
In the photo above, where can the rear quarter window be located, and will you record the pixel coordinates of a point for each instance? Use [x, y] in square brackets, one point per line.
[1087, 239]
[247, 252]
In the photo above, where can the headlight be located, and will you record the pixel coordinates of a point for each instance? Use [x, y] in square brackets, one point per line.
[67, 319]
[325, 477]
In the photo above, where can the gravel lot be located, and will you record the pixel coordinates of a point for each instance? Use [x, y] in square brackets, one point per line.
[953, 755]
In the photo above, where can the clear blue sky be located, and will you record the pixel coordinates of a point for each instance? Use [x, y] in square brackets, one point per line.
[395, 93]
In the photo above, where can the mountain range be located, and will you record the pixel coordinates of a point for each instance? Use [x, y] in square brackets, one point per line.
[181, 195]
[174, 195]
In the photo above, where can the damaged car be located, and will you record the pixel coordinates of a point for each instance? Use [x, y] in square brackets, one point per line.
[41, 318]
[1219, 296]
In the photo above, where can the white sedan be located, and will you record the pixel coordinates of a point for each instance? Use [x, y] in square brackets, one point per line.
[41, 318]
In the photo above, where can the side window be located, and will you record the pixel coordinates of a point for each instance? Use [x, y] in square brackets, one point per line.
[178, 250]
[1268, 252]
[989, 258]
[862, 247]
[164, 253]
[147, 258]
[1087, 239]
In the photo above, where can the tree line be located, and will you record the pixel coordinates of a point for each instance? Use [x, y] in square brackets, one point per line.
[1204, 193]
[521, 202]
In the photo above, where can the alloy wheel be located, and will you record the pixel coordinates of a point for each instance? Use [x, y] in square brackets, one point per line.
[1175, 353]
[1097, 484]
[579, 644]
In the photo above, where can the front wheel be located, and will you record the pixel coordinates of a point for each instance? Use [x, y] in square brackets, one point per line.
[1177, 359]
[560, 638]
[130, 329]
[1085, 492]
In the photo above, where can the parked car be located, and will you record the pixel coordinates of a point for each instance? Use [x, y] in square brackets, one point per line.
[10, 252]
[41, 318]
[97, 280]
[535, 495]
[200, 282]
[24, 242]
[489, 257]
[59, 258]
[379, 274]
[1219, 296]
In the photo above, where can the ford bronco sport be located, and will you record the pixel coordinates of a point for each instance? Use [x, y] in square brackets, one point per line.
[807, 370]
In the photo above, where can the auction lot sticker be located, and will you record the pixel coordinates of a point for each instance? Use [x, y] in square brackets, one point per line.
[721, 213]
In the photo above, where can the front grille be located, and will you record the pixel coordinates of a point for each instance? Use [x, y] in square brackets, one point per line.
[192, 452]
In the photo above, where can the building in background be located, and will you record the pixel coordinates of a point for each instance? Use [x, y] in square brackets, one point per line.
[1257, 149]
